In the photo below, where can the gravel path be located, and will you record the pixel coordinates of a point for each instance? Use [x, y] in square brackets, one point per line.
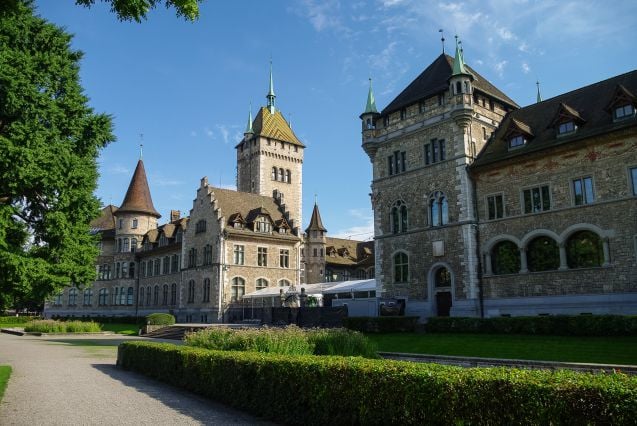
[64, 381]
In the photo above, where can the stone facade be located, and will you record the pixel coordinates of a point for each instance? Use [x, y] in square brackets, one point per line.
[434, 174]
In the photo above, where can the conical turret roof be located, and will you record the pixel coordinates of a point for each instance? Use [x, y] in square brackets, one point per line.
[138, 199]
[316, 224]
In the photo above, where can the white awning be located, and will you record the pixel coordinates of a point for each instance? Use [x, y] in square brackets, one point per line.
[316, 289]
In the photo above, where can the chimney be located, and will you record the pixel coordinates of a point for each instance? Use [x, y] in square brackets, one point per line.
[174, 215]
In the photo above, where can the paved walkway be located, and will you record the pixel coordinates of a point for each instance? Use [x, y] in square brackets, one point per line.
[71, 381]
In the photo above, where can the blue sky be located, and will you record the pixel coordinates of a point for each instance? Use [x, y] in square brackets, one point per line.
[187, 86]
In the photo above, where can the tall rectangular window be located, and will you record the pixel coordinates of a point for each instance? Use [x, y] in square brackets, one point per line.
[495, 206]
[443, 153]
[537, 199]
[390, 165]
[403, 161]
[262, 256]
[397, 162]
[633, 178]
[174, 263]
[239, 255]
[427, 153]
[434, 151]
[583, 191]
[284, 258]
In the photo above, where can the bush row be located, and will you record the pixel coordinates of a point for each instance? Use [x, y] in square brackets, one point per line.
[160, 318]
[381, 324]
[102, 319]
[561, 325]
[52, 326]
[352, 390]
[16, 320]
[290, 340]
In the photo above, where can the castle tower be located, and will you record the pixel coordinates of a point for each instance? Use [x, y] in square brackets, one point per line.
[315, 243]
[370, 115]
[270, 159]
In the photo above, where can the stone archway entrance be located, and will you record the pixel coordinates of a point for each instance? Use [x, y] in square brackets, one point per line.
[442, 289]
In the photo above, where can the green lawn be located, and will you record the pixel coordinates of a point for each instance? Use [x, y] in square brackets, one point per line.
[127, 329]
[5, 373]
[604, 350]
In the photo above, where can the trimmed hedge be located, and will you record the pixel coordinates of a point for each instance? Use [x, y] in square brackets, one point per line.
[160, 319]
[17, 320]
[340, 390]
[102, 319]
[52, 326]
[381, 324]
[560, 325]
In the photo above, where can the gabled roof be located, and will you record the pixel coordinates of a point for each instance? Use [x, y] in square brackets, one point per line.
[246, 204]
[316, 224]
[349, 252]
[138, 199]
[589, 103]
[274, 126]
[435, 79]
[106, 219]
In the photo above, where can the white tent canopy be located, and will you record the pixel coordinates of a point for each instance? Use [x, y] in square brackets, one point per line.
[316, 289]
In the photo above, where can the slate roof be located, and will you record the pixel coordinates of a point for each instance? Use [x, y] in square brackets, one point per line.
[106, 219]
[138, 199]
[357, 253]
[274, 126]
[316, 223]
[248, 205]
[435, 79]
[589, 103]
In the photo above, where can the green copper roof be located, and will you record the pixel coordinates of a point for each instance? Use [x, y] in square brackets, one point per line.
[249, 125]
[539, 96]
[458, 61]
[371, 102]
[271, 96]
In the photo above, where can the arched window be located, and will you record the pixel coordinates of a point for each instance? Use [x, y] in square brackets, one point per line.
[458, 87]
[505, 258]
[401, 267]
[282, 174]
[261, 283]
[133, 245]
[191, 291]
[284, 283]
[288, 176]
[173, 294]
[72, 296]
[129, 296]
[543, 254]
[275, 173]
[148, 295]
[438, 209]
[238, 289]
[164, 298]
[156, 296]
[399, 217]
[103, 297]
[206, 290]
[88, 296]
[442, 277]
[584, 249]
[141, 295]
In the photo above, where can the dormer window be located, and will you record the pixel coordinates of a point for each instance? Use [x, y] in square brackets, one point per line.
[623, 112]
[163, 240]
[516, 141]
[262, 224]
[237, 225]
[566, 128]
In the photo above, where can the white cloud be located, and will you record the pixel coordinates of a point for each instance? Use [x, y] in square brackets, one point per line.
[209, 133]
[525, 68]
[118, 169]
[164, 181]
[499, 67]
[362, 231]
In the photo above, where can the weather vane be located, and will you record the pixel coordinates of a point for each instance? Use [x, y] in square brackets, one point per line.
[442, 39]
[141, 145]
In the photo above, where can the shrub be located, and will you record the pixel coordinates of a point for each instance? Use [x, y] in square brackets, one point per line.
[290, 340]
[381, 324]
[16, 320]
[103, 319]
[561, 325]
[351, 390]
[52, 326]
[160, 319]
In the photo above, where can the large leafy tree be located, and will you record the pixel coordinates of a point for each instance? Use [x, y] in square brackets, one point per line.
[136, 10]
[49, 142]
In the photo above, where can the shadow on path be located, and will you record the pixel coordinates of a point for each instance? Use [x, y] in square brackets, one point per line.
[187, 403]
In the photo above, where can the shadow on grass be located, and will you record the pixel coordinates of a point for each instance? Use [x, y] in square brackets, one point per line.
[189, 404]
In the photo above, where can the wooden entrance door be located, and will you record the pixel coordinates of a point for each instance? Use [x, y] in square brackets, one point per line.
[443, 303]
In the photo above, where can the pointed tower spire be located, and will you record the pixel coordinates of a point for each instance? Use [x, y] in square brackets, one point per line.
[316, 224]
[371, 102]
[271, 96]
[539, 96]
[249, 130]
[458, 61]
[138, 199]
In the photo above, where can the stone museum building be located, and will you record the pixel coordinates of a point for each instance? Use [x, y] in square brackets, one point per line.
[483, 208]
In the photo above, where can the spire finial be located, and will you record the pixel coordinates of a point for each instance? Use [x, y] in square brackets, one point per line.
[370, 107]
[249, 125]
[141, 146]
[458, 60]
[442, 40]
[539, 96]
[315, 199]
[271, 96]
